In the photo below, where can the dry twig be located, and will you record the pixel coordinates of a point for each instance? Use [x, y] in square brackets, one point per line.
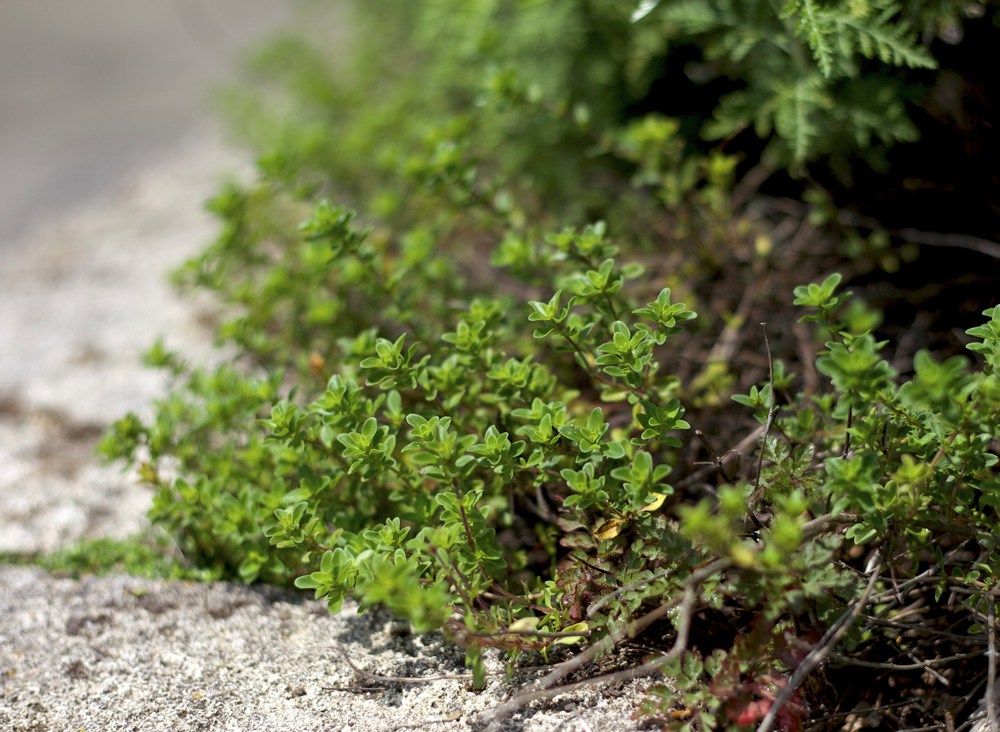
[771, 411]
[399, 679]
[546, 687]
[817, 655]
[991, 683]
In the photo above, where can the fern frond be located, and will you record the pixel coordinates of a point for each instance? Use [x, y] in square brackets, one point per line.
[736, 111]
[871, 109]
[815, 23]
[796, 112]
[801, 61]
[885, 37]
[742, 27]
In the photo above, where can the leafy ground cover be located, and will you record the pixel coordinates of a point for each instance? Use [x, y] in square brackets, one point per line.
[528, 352]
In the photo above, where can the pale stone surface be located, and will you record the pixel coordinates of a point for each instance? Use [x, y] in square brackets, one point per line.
[120, 653]
[80, 302]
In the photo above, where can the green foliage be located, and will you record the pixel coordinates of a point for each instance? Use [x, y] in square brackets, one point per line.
[466, 402]
[140, 556]
[806, 69]
[814, 79]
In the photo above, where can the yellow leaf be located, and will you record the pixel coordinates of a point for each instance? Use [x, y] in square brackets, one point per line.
[658, 499]
[609, 529]
[763, 245]
[742, 555]
[571, 639]
[529, 623]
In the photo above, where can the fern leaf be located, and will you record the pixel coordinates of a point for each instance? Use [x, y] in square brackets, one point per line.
[796, 112]
[885, 37]
[815, 23]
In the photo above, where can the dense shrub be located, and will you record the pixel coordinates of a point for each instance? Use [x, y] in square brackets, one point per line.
[472, 402]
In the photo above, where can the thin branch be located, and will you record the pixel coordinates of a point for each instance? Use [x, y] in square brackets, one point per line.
[725, 346]
[861, 712]
[545, 688]
[956, 241]
[930, 670]
[718, 462]
[745, 446]
[817, 655]
[461, 586]
[921, 629]
[823, 524]
[611, 306]
[991, 683]
[919, 665]
[453, 716]
[771, 411]
[531, 634]
[595, 607]
[847, 433]
[403, 679]
[807, 357]
[929, 238]
[931, 574]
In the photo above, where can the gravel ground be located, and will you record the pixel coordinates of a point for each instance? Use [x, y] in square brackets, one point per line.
[80, 299]
[120, 653]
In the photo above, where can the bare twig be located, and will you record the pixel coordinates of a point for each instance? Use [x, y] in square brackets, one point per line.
[955, 241]
[725, 346]
[930, 670]
[453, 716]
[741, 450]
[771, 410]
[595, 607]
[401, 679]
[507, 632]
[929, 575]
[862, 711]
[919, 629]
[917, 666]
[824, 523]
[810, 529]
[903, 356]
[750, 184]
[817, 655]
[807, 356]
[718, 462]
[847, 433]
[929, 238]
[991, 653]
[546, 688]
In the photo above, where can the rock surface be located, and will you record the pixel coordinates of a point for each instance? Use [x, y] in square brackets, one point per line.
[120, 653]
[81, 299]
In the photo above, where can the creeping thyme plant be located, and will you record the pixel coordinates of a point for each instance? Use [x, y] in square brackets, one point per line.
[482, 399]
